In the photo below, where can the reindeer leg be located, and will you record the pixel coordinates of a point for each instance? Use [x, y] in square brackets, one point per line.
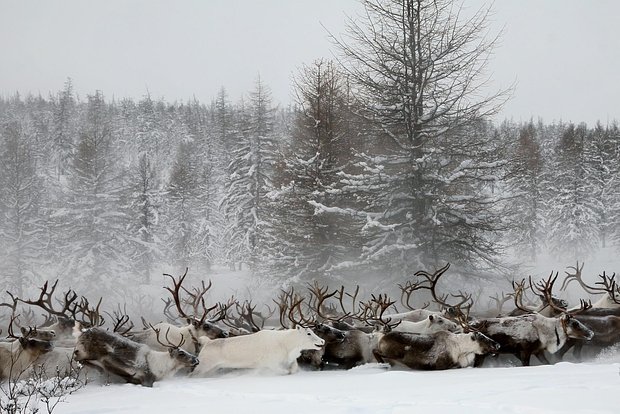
[378, 356]
[570, 343]
[577, 350]
[542, 358]
[479, 360]
[525, 356]
[293, 367]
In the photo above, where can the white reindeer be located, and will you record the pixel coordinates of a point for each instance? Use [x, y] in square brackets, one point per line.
[17, 357]
[433, 323]
[276, 351]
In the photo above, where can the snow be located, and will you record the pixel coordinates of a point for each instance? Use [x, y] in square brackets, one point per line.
[561, 388]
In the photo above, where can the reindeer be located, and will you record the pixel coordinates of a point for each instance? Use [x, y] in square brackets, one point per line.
[439, 351]
[134, 362]
[606, 331]
[276, 351]
[196, 327]
[532, 333]
[312, 358]
[358, 345]
[17, 357]
[432, 324]
[62, 321]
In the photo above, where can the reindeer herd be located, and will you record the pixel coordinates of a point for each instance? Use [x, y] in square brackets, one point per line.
[314, 328]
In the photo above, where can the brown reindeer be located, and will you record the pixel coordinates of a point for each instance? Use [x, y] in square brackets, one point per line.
[441, 350]
[532, 333]
[134, 362]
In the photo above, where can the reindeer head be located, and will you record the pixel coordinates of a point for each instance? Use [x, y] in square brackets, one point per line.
[442, 323]
[175, 351]
[311, 340]
[184, 358]
[487, 345]
[35, 346]
[575, 329]
[36, 333]
[206, 328]
[328, 333]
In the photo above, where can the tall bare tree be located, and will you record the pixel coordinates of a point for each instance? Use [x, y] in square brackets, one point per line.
[418, 68]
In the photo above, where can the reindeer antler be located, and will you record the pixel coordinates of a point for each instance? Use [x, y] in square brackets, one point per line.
[45, 301]
[123, 324]
[519, 290]
[433, 279]
[92, 314]
[195, 297]
[373, 310]
[577, 277]
[168, 343]
[500, 301]
[609, 285]
[318, 296]
[545, 287]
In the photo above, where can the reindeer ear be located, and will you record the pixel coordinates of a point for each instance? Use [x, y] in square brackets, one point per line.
[298, 327]
[24, 331]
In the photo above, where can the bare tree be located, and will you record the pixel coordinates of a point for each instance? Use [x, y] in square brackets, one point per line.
[418, 69]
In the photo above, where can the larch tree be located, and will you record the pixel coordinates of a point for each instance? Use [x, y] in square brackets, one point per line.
[418, 69]
[250, 178]
[64, 132]
[21, 224]
[602, 152]
[91, 223]
[209, 178]
[144, 200]
[183, 211]
[525, 182]
[573, 207]
[308, 244]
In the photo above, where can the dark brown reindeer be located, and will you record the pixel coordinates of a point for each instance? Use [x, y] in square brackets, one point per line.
[313, 358]
[354, 349]
[134, 362]
[438, 351]
[606, 329]
[532, 333]
[603, 317]
[358, 346]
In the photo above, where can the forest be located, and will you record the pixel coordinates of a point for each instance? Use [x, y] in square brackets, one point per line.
[115, 191]
[383, 165]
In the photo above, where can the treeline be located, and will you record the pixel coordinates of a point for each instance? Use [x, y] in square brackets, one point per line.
[386, 164]
[109, 193]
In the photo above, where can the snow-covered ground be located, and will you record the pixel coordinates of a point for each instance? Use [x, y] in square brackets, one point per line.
[592, 387]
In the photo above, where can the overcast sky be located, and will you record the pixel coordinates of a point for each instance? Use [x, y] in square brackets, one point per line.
[564, 55]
